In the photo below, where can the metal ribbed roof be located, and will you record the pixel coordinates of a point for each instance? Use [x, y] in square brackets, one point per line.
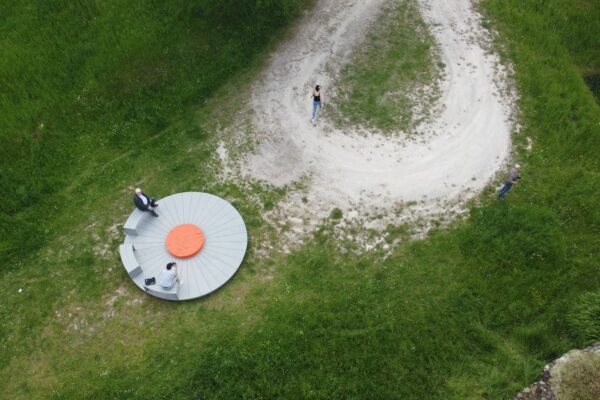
[224, 248]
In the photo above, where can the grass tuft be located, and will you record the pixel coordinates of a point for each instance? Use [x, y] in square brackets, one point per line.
[584, 319]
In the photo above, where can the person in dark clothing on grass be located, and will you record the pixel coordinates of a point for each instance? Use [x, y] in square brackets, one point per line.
[144, 202]
[513, 178]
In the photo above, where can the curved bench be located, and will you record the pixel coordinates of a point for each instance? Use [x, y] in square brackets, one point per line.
[129, 260]
[167, 294]
[133, 221]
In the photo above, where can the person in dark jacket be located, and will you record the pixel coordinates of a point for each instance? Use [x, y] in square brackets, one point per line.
[145, 202]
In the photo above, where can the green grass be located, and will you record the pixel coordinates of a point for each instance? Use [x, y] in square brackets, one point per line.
[473, 312]
[391, 82]
[84, 83]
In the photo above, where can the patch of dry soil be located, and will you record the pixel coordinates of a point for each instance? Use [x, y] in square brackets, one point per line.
[456, 155]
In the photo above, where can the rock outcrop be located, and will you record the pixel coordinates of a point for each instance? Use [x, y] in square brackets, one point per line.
[548, 385]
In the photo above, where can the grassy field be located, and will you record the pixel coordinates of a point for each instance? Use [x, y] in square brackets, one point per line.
[473, 312]
[96, 80]
[390, 83]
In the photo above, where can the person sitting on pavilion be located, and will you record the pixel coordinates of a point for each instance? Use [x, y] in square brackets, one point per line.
[144, 202]
[168, 276]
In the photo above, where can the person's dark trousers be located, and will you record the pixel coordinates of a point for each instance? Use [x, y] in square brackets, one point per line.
[504, 190]
[152, 202]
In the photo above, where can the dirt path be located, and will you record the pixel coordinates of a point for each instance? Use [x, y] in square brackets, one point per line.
[459, 153]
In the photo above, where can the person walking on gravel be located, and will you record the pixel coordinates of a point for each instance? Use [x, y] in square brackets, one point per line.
[513, 178]
[316, 96]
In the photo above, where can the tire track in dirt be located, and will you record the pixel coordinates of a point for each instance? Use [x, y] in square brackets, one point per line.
[458, 153]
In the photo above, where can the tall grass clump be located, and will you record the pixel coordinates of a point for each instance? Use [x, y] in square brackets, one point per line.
[585, 317]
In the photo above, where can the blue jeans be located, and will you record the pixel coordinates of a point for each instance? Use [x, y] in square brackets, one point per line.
[316, 104]
[505, 189]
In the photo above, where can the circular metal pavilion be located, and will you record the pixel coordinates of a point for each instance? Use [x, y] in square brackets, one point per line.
[204, 234]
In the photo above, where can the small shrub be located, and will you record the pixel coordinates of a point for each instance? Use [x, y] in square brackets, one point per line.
[268, 204]
[337, 214]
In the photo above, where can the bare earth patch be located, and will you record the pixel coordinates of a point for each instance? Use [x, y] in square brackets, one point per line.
[364, 174]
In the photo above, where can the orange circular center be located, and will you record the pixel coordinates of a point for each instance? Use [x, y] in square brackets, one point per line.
[185, 241]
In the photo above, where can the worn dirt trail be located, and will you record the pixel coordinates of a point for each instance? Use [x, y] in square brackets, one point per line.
[457, 154]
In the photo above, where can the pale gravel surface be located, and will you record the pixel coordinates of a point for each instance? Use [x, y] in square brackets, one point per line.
[458, 152]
